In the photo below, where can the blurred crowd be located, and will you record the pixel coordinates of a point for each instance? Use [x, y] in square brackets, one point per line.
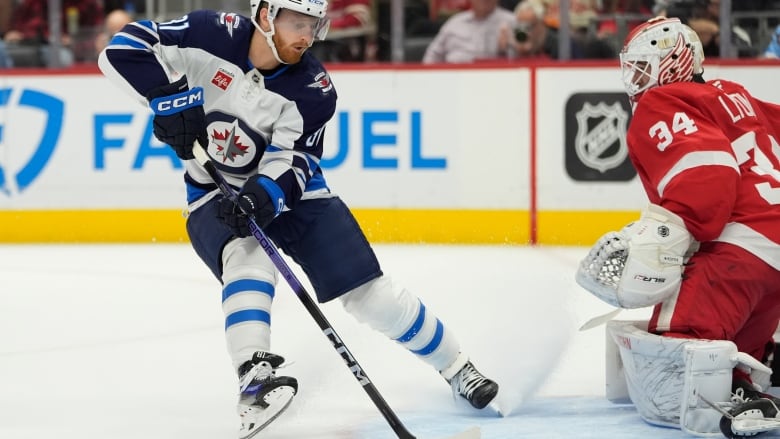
[85, 26]
[434, 31]
[596, 29]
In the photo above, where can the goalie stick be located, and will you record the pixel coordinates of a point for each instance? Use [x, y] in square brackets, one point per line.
[600, 320]
[284, 269]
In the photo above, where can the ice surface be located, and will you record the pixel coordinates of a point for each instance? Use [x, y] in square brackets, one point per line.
[126, 341]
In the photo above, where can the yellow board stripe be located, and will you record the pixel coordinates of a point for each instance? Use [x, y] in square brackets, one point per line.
[439, 226]
[579, 227]
[92, 226]
[445, 226]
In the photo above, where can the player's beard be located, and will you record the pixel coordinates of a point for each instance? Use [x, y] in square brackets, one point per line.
[287, 52]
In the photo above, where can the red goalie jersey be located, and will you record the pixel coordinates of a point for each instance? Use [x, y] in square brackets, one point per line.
[708, 152]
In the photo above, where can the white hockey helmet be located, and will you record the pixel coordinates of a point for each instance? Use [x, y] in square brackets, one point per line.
[315, 8]
[658, 52]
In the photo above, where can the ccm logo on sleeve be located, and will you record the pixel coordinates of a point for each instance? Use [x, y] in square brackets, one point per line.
[167, 105]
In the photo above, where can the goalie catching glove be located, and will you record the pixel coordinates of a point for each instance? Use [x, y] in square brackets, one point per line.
[642, 264]
[261, 198]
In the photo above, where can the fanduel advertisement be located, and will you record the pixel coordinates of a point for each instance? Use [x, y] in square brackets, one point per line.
[76, 141]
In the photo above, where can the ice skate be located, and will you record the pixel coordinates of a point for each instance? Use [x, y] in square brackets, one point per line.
[263, 395]
[471, 385]
[751, 408]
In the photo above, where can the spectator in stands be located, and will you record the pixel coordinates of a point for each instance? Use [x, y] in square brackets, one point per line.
[5, 59]
[703, 16]
[682, 9]
[115, 21]
[634, 12]
[424, 18]
[773, 49]
[581, 12]
[351, 35]
[6, 9]
[447, 8]
[532, 36]
[136, 8]
[509, 5]
[528, 36]
[470, 35]
[420, 18]
[81, 20]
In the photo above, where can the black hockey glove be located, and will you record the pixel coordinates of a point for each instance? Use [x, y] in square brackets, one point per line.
[179, 118]
[260, 197]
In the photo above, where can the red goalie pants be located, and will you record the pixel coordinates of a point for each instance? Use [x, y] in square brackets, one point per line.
[727, 293]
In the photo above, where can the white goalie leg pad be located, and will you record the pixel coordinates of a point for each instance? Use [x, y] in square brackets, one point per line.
[248, 287]
[709, 367]
[664, 376]
[395, 312]
[615, 377]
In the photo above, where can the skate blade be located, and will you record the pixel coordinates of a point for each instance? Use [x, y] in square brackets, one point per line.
[495, 408]
[278, 400]
[753, 426]
[472, 433]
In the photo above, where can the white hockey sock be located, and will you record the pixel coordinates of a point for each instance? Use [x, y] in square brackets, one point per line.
[247, 294]
[393, 311]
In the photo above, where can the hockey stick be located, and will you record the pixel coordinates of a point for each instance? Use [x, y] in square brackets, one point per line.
[600, 320]
[284, 269]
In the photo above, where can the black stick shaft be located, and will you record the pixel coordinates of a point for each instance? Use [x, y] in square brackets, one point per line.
[327, 329]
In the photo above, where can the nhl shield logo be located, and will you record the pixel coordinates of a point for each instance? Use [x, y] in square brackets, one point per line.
[596, 148]
[601, 135]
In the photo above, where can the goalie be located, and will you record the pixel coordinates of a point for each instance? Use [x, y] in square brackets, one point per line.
[705, 252]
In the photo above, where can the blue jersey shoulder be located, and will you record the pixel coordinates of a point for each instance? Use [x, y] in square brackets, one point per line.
[223, 34]
[309, 85]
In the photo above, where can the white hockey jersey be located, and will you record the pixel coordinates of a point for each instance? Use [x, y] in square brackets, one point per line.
[268, 123]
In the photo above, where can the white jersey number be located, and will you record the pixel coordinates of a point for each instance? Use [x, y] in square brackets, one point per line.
[746, 144]
[680, 123]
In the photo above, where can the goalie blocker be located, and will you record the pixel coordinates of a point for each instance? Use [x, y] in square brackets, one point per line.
[670, 380]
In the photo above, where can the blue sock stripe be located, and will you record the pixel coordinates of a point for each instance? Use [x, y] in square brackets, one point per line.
[435, 342]
[247, 315]
[415, 326]
[243, 285]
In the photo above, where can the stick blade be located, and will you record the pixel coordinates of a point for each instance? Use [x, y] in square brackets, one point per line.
[600, 320]
[471, 433]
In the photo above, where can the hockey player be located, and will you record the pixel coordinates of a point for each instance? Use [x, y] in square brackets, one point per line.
[247, 90]
[706, 251]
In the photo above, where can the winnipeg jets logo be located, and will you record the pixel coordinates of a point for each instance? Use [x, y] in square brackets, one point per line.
[234, 146]
[229, 146]
[230, 21]
[322, 81]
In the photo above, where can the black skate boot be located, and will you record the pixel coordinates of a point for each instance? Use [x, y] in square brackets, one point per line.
[263, 395]
[473, 386]
[749, 404]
